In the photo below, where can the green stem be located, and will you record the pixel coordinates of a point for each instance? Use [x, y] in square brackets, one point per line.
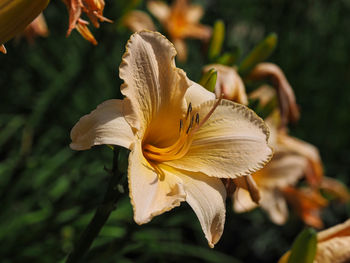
[101, 215]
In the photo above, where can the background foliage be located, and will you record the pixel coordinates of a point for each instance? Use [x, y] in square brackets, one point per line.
[48, 192]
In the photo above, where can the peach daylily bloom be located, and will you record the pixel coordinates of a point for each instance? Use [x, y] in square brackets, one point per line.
[228, 83]
[333, 245]
[287, 103]
[93, 9]
[181, 21]
[182, 140]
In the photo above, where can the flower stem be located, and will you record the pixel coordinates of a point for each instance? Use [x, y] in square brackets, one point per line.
[101, 215]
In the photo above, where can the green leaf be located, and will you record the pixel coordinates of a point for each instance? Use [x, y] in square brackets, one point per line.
[208, 80]
[217, 40]
[304, 247]
[260, 53]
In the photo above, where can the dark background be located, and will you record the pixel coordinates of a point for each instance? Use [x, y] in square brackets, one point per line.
[48, 192]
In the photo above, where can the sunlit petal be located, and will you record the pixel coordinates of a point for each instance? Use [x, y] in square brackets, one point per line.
[207, 197]
[152, 192]
[242, 201]
[104, 125]
[231, 143]
[196, 94]
[153, 85]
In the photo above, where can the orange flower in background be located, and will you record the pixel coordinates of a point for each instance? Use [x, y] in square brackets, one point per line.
[93, 9]
[181, 21]
[307, 203]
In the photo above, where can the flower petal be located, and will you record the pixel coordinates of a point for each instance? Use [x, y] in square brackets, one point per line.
[194, 13]
[138, 20]
[283, 170]
[159, 9]
[196, 95]
[154, 86]
[151, 193]
[242, 201]
[335, 250]
[206, 196]
[104, 125]
[275, 205]
[231, 143]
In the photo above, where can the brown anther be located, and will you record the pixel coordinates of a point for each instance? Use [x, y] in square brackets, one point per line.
[197, 118]
[189, 110]
[181, 125]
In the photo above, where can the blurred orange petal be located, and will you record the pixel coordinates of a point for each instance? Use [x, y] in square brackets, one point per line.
[307, 203]
[3, 49]
[85, 32]
[138, 20]
[336, 188]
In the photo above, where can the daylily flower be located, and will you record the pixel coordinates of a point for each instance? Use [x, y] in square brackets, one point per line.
[332, 245]
[228, 83]
[181, 21]
[36, 28]
[288, 107]
[182, 140]
[93, 9]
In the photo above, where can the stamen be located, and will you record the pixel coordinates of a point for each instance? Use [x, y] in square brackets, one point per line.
[179, 148]
[209, 114]
[191, 124]
[189, 109]
[197, 118]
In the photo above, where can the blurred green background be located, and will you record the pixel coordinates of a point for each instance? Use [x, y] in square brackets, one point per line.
[48, 193]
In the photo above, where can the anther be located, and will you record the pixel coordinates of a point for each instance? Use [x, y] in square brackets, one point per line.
[197, 118]
[190, 126]
[181, 125]
[189, 110]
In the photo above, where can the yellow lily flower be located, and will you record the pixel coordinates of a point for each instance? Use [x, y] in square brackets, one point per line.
[182, 140]
[93, 9]
[228, 83]
[332, 245]
[181, 21]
